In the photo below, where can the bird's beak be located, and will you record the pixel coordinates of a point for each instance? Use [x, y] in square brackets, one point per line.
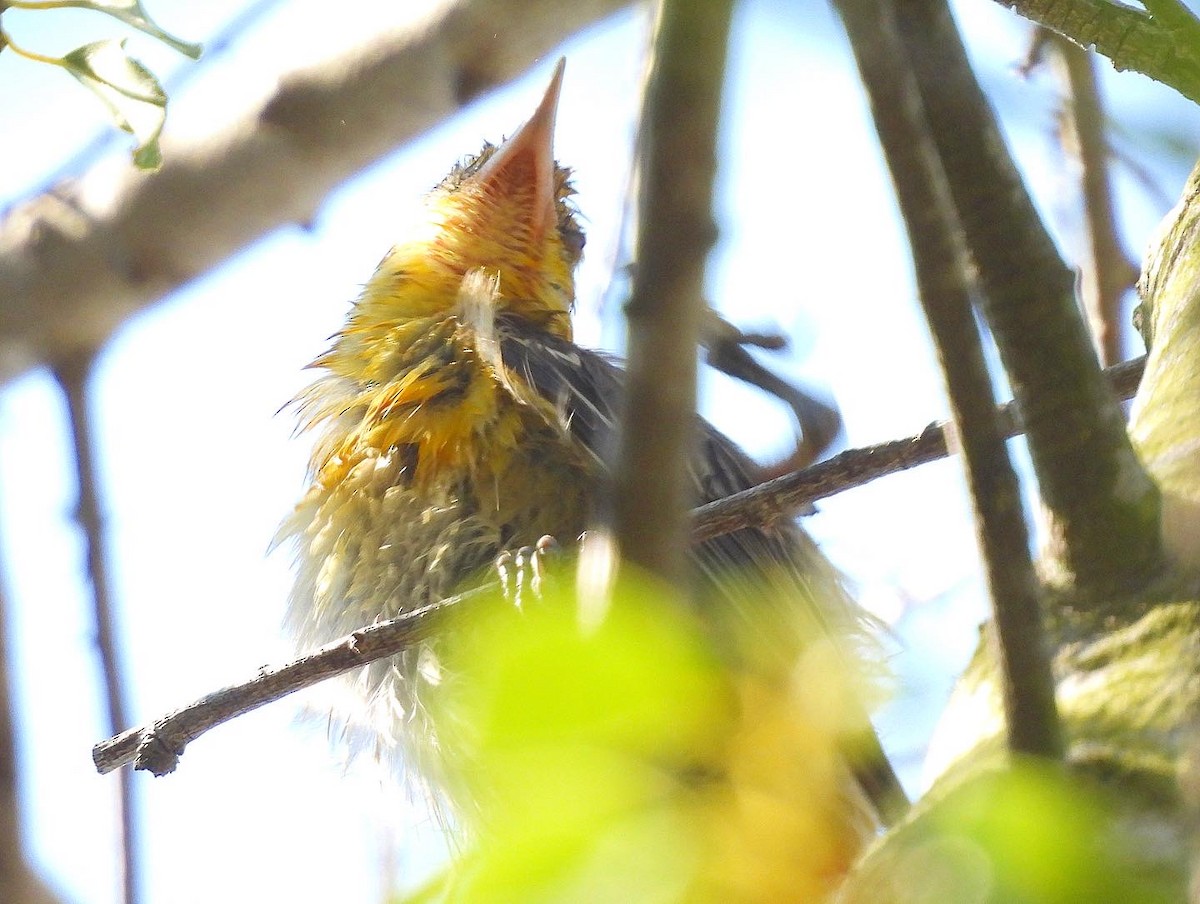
[523, 167]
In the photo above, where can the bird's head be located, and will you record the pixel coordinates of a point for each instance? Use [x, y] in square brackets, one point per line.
[506, 212]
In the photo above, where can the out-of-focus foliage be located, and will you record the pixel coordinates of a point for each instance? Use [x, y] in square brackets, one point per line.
[1028, 833]
[619, 759]
[135, 100]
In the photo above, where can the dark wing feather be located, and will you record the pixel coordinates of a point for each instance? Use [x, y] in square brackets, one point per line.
[586, 389]
[759, 580]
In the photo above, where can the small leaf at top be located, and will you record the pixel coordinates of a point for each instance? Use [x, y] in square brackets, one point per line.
[135, 100]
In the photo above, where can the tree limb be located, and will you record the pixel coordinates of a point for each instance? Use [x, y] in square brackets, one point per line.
[1102, 507]
[677, 169]
[941, 265]
[156, 747]
[779, 498]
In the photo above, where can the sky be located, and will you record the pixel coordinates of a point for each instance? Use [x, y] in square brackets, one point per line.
[200, 468]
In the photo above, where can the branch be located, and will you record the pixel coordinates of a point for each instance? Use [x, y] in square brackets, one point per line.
[1102, 506]
[74, 375]
[74, 264]
[1107, 272]
[940, 261]
[1166, 51]
[779, 498]
[156, 747]
[665, 310]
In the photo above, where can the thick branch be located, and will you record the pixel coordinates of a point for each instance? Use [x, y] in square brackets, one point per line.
[75, 264]
[1102, 506]
[1130, 37]
[675, 231]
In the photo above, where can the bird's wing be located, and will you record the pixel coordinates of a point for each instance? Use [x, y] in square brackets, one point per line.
[769, 584]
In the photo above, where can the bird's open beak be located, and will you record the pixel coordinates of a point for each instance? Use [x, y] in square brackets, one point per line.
[524, 165]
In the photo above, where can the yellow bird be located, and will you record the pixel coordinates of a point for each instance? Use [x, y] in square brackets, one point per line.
[457, 419]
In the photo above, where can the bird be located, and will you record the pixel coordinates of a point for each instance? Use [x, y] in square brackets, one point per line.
[456, 419]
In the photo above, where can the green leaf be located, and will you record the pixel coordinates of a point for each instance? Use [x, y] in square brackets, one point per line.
[135, 99]
[1031, 833]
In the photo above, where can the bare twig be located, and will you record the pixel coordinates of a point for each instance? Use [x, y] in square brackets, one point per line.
[775, 499]
[818, 422]
[156, 747]
[74, 375]
[677, 169]
[73, 266]
[1107, 272]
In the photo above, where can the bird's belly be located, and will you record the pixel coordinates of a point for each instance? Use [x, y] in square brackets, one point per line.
[376, 544]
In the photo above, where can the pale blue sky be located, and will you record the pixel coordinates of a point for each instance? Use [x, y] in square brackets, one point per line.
[260, 809]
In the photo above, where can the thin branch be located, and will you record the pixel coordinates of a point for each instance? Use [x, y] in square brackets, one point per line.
[940, 261]
[1130, 37]
[75, 264]
[1103, 507]
[779, 498]
[157, 746]
[675, 232]
[819, 424]
[20, 884]
[12, 863]
[1107, 272]
[74, 375]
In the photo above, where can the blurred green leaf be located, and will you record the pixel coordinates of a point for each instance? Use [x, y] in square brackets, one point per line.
[1030, 834]
[582, 746]
[620, 758]
[135, 100]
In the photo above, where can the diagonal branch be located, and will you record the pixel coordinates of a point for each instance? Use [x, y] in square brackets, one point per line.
[1106, 272]
[156, 747]
[940, 263]
[779, 498]
[1102, 506]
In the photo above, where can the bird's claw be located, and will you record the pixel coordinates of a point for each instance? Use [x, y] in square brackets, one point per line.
[525, 569]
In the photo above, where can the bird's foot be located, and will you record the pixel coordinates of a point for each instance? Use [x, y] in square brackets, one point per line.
[526, 570]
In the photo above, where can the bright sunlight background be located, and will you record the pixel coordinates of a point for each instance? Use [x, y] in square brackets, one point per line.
[199, 469]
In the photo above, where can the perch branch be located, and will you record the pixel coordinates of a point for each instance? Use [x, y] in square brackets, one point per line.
[157, 746]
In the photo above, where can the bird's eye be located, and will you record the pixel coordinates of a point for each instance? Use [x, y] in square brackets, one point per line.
[574, 240]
